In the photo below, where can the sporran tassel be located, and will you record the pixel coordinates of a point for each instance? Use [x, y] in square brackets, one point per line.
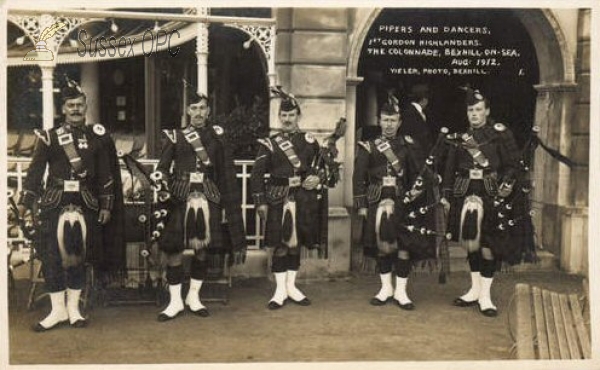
[288, 225]
[71, 235]
[470, 220]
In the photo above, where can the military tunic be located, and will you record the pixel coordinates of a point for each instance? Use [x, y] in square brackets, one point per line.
[215, 178]
[276, 189]
[371, 167]
[477, 163]
[86, 189]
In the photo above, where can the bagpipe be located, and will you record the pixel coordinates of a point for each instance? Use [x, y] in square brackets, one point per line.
[416, 218]
[324, 164]
[151, 218]
[417, 190]
[314, 215]
[513, 212]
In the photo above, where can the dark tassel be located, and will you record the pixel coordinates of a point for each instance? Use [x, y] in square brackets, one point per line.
[194, 226]
[287, 228]
[200, 223]
[387, 231]
[73, 238]
[469, 226]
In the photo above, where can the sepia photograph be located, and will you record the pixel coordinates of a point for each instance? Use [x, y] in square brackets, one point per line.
[299, 184]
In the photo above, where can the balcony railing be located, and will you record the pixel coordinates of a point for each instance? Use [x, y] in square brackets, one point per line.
[17, 170]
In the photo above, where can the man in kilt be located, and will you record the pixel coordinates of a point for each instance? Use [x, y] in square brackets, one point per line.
[388, 181]
[72, 206]
[480, 169]
[288, 201]
[204, 206]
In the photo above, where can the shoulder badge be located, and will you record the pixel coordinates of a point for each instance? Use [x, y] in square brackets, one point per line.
[409, 139]
[309, 138]
[365, 145]
[499, 127]
[218, 129]
[267, 143]
[43, 135]
[171, 134]
[99, 129]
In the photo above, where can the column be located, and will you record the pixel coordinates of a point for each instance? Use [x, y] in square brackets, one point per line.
[202, 53]
[350, 138]
[47, 96]
[89, 84]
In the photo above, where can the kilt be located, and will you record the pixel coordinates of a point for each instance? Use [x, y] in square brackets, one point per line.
[173, 241]
[507, 245]
[47, 242]
[311, 221]
[420, 247]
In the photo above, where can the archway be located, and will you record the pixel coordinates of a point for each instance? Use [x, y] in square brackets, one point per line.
[544, 95]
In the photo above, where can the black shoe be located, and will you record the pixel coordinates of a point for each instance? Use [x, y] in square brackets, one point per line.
[406, 306]
[203, 312]
[378, 302]
[488, 312]
[274, 305]
[303, 302]
[81, 323]
[162, 317]
[39, 328]
[459, 302]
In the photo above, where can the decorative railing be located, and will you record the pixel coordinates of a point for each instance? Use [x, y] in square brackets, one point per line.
[17, 170]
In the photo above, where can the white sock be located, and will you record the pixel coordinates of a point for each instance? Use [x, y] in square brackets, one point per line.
[292, 291]
[473, 293]
[387, 290]
[176, 303]
[58, 312]
[73, 305]
[280, 289]
[485, 299]
[400, 293]
[193, 297]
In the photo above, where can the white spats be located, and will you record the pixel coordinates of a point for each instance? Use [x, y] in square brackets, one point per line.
[193, 297]
[473, 293]
[175, 306]
[73, 296]
[58, 314]
[387, 289]
[292, 291]
[280, 290]
[485, 299]
[400, 292]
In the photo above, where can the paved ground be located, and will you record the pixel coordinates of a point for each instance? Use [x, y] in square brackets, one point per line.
[339, 326]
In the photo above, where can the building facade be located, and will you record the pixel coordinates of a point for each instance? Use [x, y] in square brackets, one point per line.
[339, 62]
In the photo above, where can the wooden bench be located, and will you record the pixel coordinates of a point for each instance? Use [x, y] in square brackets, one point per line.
[549, 325]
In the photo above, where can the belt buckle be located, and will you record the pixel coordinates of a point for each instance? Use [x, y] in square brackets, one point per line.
[196, 177]
[65, 139]
[389, 181]
[285, 145]
[71, 186]
[294, 181]
[192, 136]
[476, 174]
[383, 146]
